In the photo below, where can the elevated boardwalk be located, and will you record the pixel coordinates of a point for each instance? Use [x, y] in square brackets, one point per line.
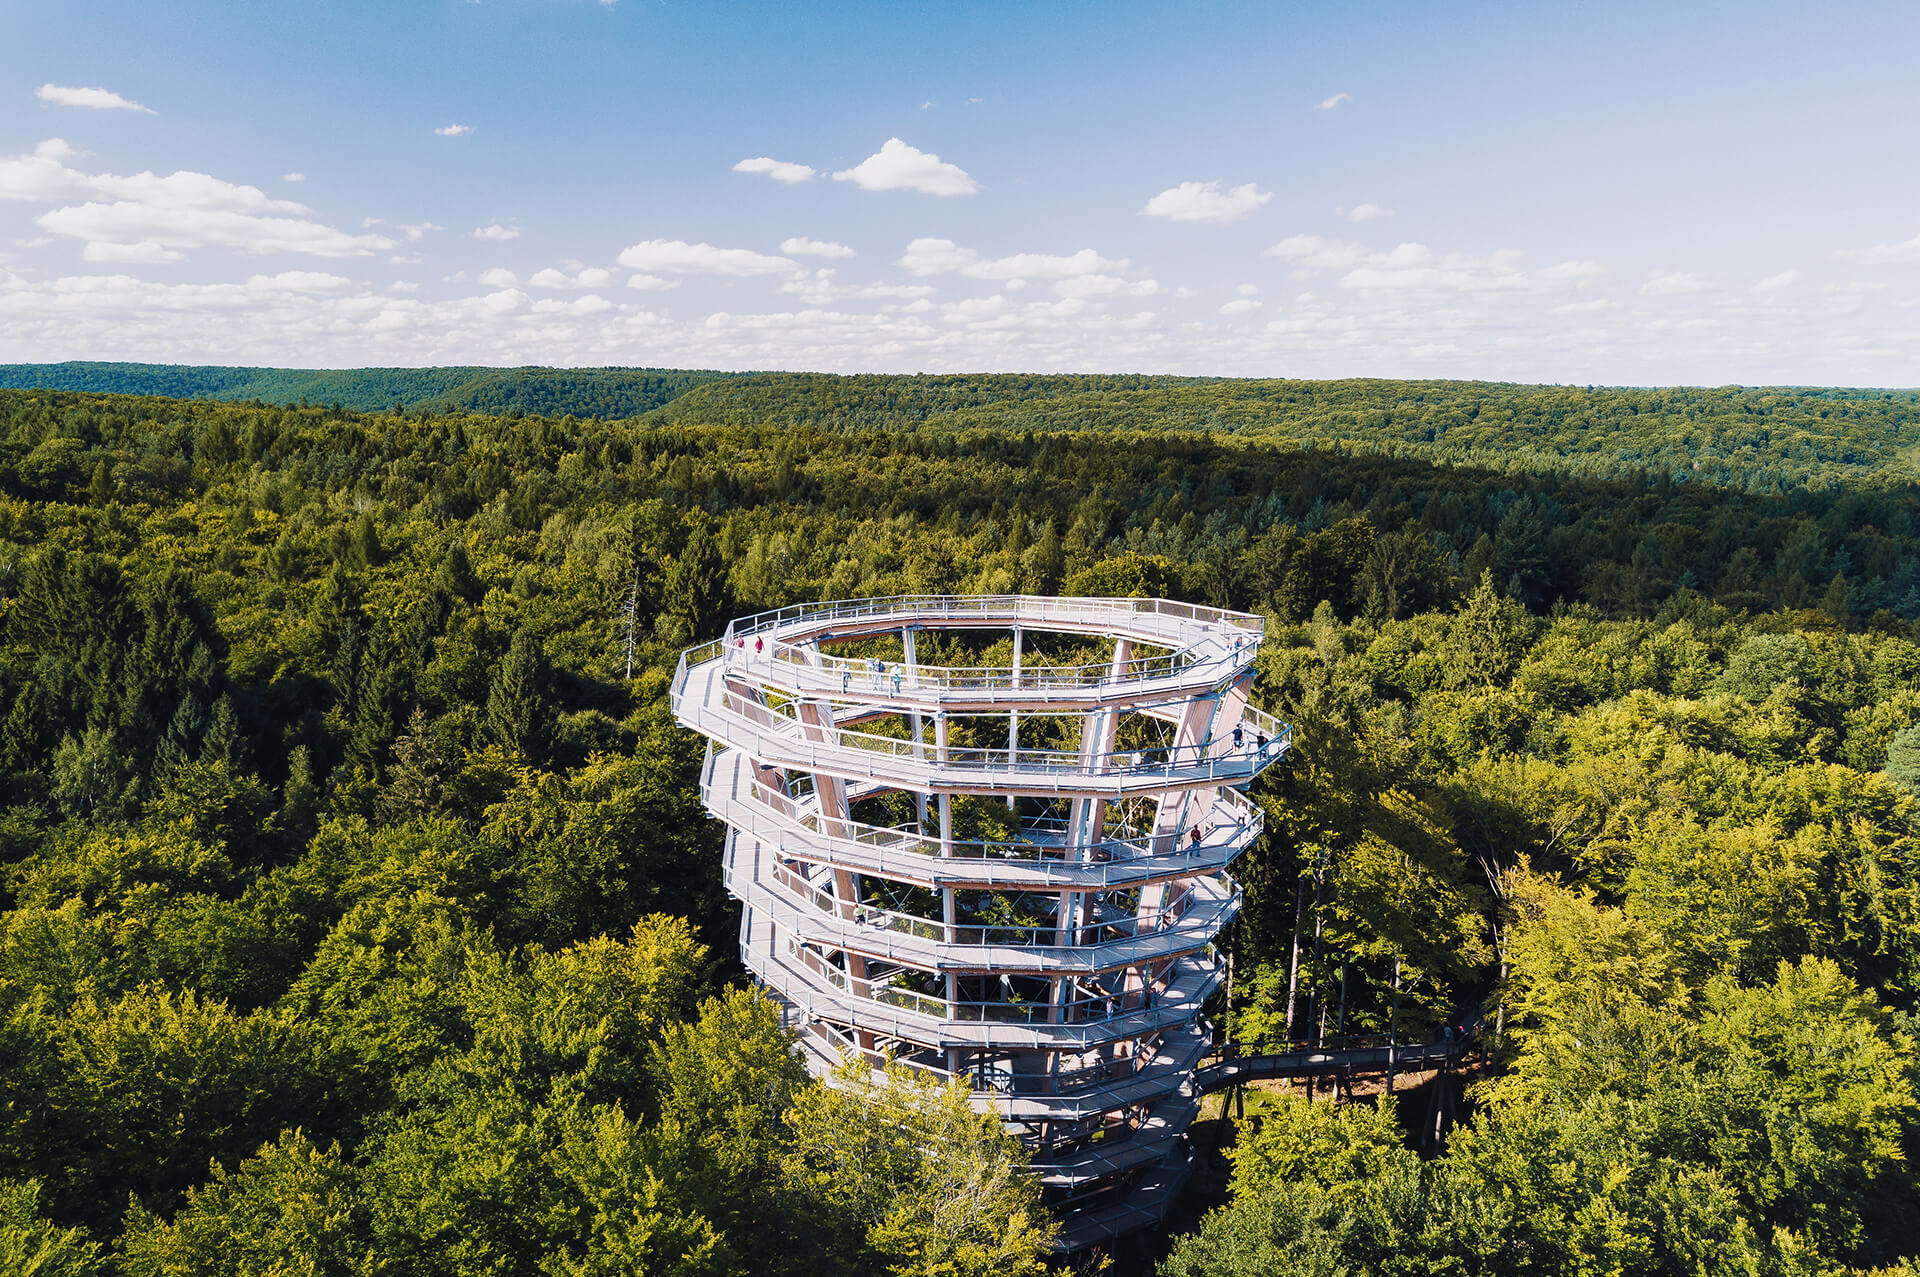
[1221, 1071]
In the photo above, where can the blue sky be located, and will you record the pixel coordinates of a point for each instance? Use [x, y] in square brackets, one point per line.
[1622, 193]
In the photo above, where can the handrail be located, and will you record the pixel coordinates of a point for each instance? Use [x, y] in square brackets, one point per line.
[880, 837]
[1279, 735]
[1016, 609]
[842, 746]
[1086, 1008]
[1231, 1063]
[1021, 608]
[978, 934]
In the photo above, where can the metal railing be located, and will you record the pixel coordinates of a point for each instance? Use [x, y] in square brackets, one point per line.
[1020, 609]
[1079, 1009]
[781, 734]
[820, 670]
[1132, 845]
[1037, 936]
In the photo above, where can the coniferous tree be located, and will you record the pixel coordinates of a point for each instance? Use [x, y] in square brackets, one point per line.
[519, 706]
[697, 582]
[1903, 759]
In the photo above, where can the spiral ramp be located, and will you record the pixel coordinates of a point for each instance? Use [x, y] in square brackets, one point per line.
[1036, 916]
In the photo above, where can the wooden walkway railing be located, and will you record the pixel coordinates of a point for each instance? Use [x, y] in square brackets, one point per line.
[1234, 1067]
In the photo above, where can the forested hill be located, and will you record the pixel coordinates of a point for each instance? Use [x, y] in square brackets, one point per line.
[609, 393]
[1764, 439]
[1760, 439]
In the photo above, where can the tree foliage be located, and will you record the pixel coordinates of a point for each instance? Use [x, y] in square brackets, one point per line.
[360, 913]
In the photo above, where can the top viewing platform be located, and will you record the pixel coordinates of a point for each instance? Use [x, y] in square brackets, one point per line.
[786, 650]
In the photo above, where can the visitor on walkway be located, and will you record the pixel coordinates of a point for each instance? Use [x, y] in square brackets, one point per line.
[1239, 736]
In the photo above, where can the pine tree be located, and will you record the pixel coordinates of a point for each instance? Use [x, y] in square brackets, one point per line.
[1903, 759]
[519, 715]
[697, 582]
[300, 798]
[416, 781]
[1486, 637]
[100, 490]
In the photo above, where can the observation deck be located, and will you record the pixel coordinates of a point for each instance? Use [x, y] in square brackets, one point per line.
[987, 838]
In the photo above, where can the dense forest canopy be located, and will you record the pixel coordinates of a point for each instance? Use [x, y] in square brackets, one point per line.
[596, 392]
[1764, 439]
[361, 914]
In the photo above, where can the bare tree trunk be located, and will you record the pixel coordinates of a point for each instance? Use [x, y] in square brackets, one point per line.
[1393, 1025]
[1229, 1011]
[1340, 1020]
[1316, 1004]
[1293, 954]
[630, 613]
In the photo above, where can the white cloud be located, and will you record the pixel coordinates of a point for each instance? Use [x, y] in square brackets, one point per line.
[97, 99]
[1317, 252]
[1577, 272]
[942, 256]
[1248, 290]
[778, 170]
[897, 167]
[1773, 283]
[586, 277]
[679, 257]
[1590, 307]
[499, 277]
[815, 289]
[301, 281]
[801, 246]
[454, 130]
[293, 177]
[908, 292]
[1417, 268]
[651, 283]
[1105, 286]
[496, 232]
[1366, 212]
[144, 253]
[1673, 283]
[1328, 104]
[1243, 306]
[403, 286]
[147, 218]
[417, 230]
[588, 305]
[1904, 253]
[1206, 202]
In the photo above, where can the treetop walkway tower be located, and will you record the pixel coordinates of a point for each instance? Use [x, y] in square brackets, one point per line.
[987, 837]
